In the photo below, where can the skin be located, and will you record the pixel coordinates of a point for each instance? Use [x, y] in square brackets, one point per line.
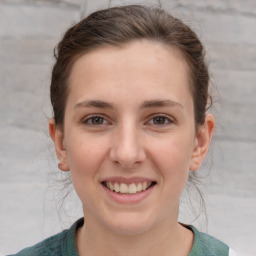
[130, 140]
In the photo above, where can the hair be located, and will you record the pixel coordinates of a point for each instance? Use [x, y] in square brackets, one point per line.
[118, 26]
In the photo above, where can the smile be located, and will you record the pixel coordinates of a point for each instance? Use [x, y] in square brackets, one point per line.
[133, 188]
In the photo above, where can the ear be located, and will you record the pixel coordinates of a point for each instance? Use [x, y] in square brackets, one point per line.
[202, 142]
[58, 140]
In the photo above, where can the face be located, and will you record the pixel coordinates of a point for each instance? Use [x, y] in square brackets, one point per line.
[129, 135]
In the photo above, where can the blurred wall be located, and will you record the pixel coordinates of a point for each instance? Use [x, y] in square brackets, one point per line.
[29, 30]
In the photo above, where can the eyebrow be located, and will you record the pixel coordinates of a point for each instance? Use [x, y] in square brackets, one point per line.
[146, 104]
[94, 104]
[160, 103]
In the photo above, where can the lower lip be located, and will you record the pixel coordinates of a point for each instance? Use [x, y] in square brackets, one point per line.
[128, 198]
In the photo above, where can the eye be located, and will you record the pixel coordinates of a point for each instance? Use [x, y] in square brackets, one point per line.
[95, 120]
[160, 120]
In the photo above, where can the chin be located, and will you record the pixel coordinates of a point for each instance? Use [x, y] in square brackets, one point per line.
[131, 224]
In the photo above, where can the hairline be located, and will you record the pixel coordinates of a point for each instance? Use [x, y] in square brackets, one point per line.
[175, 49]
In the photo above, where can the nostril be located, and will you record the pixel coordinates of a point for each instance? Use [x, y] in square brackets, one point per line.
[127, 153]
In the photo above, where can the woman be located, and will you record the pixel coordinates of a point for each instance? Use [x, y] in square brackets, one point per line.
[129, 92]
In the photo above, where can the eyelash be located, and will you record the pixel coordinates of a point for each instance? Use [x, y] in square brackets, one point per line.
[89, 120]
[168, 119]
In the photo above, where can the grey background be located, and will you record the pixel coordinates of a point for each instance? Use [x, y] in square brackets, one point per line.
[29, 191]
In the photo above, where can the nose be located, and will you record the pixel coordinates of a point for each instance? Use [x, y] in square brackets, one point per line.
[127, 149]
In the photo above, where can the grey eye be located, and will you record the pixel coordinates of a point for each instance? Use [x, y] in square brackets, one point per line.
[97, 120]
[160, 120]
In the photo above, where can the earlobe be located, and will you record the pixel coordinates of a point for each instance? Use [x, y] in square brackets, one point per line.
[202, 144]
[58, 140]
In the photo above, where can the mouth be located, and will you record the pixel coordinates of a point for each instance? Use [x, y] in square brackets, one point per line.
[132, 188]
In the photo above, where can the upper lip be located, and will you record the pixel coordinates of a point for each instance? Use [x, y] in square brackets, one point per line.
[125, 180]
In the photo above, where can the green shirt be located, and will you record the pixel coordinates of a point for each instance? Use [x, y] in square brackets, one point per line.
[64, 244]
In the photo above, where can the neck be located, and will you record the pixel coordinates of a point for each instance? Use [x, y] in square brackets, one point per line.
[172, 239]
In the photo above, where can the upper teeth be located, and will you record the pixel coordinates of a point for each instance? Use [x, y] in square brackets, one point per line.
[125, 188]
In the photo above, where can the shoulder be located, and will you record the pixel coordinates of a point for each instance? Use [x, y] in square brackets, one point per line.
[48, 247]
[57, 245]
[205, 244]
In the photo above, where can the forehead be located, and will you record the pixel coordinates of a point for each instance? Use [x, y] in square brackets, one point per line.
[138, 67]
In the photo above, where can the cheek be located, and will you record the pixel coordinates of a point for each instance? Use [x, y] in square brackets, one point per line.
[85, 159]
[172, 157]
[85, 156]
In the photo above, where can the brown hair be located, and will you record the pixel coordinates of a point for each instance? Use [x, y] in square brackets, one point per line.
[118, 26]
